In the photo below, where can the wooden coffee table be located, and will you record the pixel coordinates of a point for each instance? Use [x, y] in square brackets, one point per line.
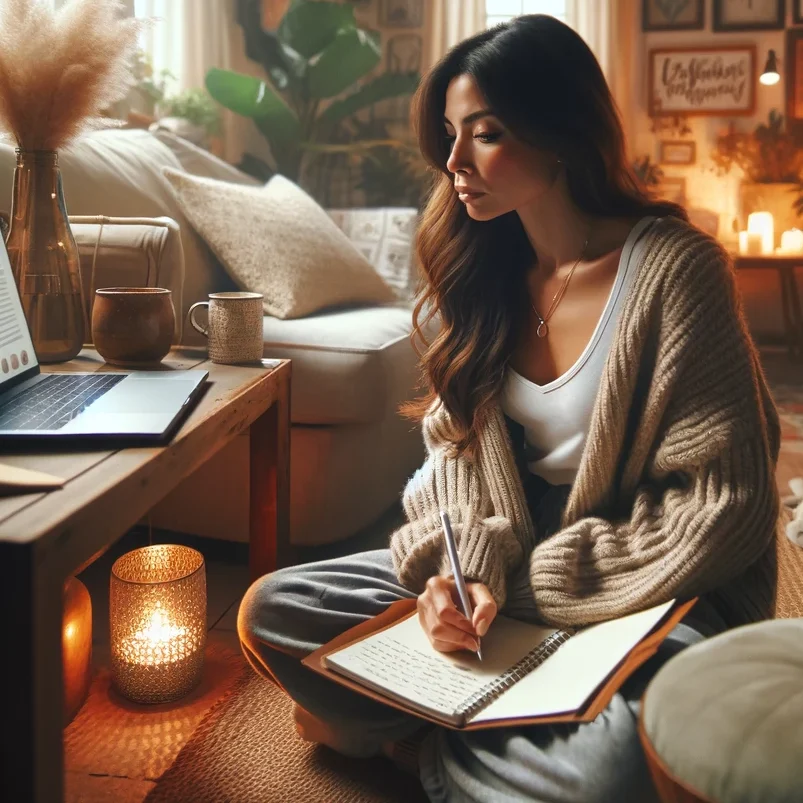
[46, 537]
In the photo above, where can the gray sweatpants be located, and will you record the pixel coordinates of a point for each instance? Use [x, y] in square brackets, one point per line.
[290, 613]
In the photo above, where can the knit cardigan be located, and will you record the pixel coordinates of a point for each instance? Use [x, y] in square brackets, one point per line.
[675, 494]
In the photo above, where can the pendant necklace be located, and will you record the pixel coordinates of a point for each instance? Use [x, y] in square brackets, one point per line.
[543, 329]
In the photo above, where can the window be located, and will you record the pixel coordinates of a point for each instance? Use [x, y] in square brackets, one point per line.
[503, 10]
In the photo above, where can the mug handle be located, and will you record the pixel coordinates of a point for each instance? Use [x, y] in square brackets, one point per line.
[191, 315]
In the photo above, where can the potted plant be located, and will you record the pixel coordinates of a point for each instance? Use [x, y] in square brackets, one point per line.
[771, 159]
[318, 64]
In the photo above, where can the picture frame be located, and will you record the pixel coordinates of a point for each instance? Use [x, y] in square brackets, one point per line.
[793, 69]
[700, 81]
[677, 152]
[402, 13]
[673, 188]
[797, 12]
[672, 15]
[749, 15]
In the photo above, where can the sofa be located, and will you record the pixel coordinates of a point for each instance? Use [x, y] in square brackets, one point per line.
[351, 452]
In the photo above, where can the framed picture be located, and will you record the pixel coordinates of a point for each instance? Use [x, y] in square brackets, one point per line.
[696, 81]
[673, 188]
[750, 15]
[677, 152]
[672, 15]
[797, 11]
[402, 13]
[794, 75]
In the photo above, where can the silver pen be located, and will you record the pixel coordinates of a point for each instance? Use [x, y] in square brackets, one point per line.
[451, 548]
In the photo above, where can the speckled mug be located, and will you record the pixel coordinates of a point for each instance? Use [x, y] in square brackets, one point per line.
[235, 326]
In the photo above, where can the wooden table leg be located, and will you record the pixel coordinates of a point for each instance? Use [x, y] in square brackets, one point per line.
[786, 310]
[269, 516]
[796, 310]
[31, 744]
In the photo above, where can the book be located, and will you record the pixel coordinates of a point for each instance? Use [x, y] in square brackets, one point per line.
[529, 673]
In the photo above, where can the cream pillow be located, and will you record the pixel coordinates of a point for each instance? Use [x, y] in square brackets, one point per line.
[275, 240]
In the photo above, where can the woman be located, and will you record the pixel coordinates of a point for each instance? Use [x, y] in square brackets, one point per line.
[597, 425]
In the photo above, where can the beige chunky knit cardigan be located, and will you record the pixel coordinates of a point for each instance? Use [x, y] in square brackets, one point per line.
[675, 495]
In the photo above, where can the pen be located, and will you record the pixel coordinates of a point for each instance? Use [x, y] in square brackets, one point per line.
[462, 591]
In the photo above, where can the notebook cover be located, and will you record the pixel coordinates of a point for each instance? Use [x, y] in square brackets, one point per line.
[644, 650]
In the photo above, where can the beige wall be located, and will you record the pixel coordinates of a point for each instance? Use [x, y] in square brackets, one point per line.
[703, 188]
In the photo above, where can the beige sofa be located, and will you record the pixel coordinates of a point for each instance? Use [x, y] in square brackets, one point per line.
[351, 452]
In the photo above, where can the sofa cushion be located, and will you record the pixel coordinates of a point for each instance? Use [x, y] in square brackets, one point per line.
[349, 366]
[385, 238]
[277, 241]
[725, 717]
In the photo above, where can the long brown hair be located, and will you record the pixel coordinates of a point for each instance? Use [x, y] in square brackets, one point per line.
[544, 84]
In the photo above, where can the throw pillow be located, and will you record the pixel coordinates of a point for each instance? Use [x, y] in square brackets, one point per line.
[276, 240]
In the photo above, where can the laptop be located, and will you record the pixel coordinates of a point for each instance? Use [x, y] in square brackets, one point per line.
[137, 407]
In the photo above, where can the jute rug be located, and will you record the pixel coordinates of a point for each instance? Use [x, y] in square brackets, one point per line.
[247, 751]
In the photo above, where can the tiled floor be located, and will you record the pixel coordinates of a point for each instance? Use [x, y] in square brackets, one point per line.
[227, 580]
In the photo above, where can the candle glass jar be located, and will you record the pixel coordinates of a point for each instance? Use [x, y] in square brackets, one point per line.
[157, 618]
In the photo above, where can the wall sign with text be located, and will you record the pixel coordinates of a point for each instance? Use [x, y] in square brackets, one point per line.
[697, 81]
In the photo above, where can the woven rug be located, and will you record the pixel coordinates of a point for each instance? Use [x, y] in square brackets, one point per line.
[247, 751]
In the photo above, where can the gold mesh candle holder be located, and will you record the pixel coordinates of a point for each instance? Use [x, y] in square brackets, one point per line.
[157, 617]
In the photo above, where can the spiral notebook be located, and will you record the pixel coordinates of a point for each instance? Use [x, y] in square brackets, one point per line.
[528, 674]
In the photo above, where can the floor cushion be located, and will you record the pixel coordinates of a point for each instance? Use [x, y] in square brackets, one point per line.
[723, 720]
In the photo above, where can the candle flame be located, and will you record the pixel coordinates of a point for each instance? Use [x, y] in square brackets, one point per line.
[159, 629]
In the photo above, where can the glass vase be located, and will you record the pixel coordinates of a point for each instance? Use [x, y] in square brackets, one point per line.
[44, 258]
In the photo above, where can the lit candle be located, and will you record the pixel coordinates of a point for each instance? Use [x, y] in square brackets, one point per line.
[791, 242]
[750, 243]
[763, 224]
[158, 641]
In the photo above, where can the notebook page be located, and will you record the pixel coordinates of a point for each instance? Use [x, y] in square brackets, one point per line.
[400, 662]
[569, 677]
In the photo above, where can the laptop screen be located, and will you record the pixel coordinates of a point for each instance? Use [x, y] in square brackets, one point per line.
[17, 356]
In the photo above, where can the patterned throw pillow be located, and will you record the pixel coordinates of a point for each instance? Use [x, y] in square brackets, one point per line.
[385, 238]
[276, 240]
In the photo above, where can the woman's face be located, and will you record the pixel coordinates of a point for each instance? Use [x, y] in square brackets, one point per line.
[493, 172]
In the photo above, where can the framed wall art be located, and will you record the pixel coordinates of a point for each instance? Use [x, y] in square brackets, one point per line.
[672, 15]
[749, 15]
[697, 81]
[402, 13]
[677, 152]
[797, 11]
[794, 76]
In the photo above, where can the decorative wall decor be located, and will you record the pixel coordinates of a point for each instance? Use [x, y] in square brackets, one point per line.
[749, 15]
[673, 188]
[677, 152]
[404, 56]
[794, 75]
[402, 13]
[797, 11]
[702, 80]
[675, 126]
[672, 15]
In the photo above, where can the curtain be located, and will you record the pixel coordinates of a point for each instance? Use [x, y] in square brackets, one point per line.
[449, 22]
[610, 28]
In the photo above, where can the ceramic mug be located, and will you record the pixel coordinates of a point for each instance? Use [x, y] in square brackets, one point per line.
[133, 326]
[235, 326]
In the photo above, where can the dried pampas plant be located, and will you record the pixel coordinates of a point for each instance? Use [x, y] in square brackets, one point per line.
[60, 69]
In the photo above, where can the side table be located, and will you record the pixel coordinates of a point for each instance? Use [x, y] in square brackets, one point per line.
[46, 537]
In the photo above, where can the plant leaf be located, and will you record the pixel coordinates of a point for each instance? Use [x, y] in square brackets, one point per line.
[310, 27]
[352, 55]
[256, 99]
[387, 85]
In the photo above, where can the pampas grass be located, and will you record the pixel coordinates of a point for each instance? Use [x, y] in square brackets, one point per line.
[60, 69]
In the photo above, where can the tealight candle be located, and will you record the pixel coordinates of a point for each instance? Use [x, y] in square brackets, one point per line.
[158, 622]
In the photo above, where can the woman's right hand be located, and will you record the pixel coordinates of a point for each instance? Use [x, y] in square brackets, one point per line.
[443, 621]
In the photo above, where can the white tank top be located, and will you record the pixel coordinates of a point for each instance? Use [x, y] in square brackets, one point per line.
[556, 416]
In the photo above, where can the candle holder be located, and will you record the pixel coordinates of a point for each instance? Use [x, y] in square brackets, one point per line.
[157, 617]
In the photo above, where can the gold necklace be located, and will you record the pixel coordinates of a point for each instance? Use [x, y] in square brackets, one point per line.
[543, 329]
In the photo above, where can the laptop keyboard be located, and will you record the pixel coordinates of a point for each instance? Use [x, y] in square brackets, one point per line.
[55, 400]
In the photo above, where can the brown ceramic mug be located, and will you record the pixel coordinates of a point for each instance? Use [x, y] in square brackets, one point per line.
[133, 326]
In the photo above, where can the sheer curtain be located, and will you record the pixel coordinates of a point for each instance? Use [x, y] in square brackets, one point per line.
[609, 27]
[449, 22]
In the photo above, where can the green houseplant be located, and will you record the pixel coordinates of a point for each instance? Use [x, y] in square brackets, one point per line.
[317, 62]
